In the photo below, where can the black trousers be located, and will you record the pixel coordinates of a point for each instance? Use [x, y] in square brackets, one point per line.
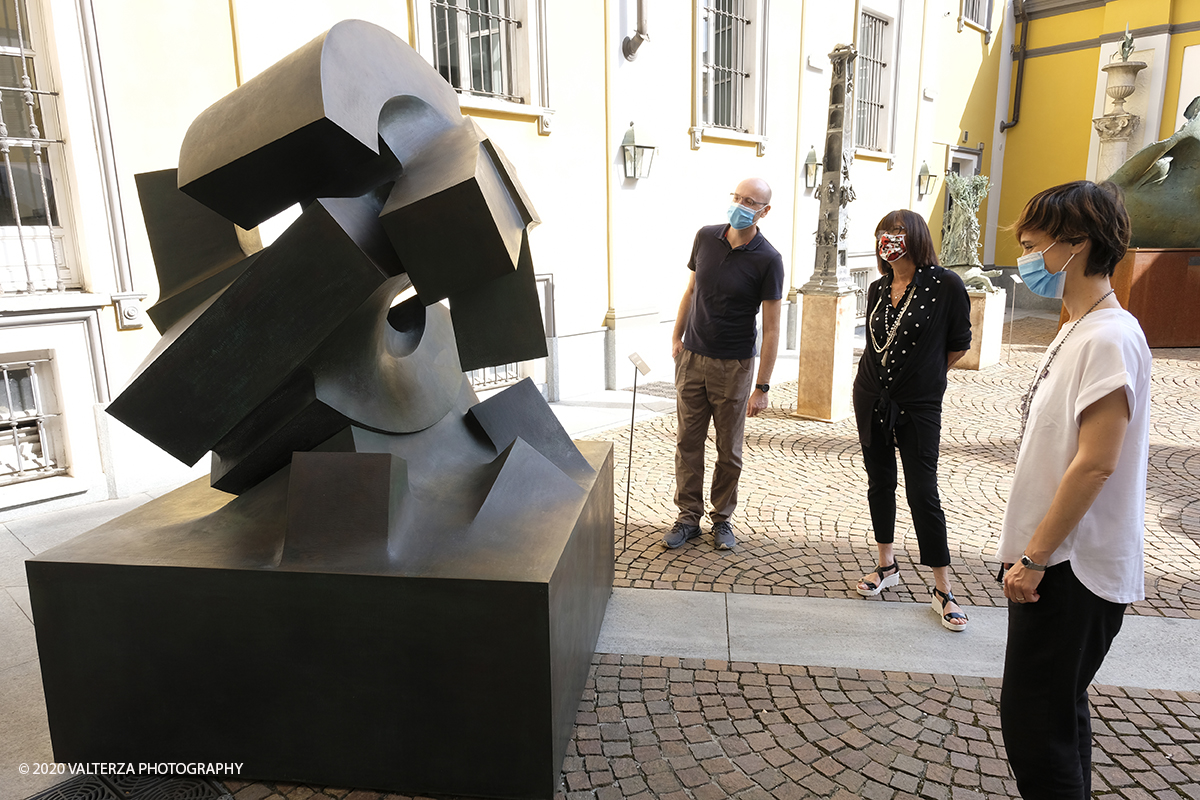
[1055, 647]
[918, 442]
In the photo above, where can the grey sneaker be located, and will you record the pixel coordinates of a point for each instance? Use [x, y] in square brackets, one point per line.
[680, 534]
[723, 535]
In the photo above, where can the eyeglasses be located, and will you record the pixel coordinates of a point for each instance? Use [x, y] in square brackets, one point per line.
[746, 201]
[895, 229]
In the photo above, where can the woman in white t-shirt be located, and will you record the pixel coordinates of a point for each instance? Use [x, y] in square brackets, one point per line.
[1073, 528]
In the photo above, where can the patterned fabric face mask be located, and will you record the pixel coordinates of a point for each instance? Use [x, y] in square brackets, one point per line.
[892, 246]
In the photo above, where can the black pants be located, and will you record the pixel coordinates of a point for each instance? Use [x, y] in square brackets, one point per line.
[1055, 647]
[918, 442]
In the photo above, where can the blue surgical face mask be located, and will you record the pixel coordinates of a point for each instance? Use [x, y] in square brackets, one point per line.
[1041, 281]
[740, 217]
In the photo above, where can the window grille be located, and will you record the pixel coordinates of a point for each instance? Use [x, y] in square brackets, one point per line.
[31, 250]
[726, 77]
[473, 46]
[871, 89]
[25, 447]
[495, 377]
[975, 11]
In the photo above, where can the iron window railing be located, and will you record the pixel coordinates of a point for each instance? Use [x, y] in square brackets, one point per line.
[26, 452]
[31, 249]
[725, 71]
[871, 90]
[473, 46]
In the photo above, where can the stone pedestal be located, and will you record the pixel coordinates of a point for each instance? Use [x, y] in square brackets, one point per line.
[826, 357]
[987, 330]
[1161, 287]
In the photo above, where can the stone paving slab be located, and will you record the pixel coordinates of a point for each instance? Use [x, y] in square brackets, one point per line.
[908, 637]
[804, 528]
[695, 729]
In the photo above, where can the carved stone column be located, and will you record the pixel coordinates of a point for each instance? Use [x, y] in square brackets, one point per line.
[1117, 126]
[1114, 130]
[828, 300]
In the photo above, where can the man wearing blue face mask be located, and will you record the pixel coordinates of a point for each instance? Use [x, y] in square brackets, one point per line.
[734, 271]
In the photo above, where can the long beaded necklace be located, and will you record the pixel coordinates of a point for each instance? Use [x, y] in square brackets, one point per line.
[891, 334]
[1027, 401]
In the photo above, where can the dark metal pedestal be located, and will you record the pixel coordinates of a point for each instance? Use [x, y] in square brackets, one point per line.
[165, 637]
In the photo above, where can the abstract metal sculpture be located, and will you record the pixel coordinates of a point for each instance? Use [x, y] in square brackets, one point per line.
[1162, 188]
[383, 512]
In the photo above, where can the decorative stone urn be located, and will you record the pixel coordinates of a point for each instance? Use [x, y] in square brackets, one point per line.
[1122, 76]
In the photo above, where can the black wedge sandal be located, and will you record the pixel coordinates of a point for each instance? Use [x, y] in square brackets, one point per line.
[939, 606]
[888, 576]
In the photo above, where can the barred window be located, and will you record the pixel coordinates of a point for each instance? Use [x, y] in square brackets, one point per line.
[874, 85]
[730, 70]
[27, 422]
[474, 42]
[726, 72]
[31, 234]
[975, 12]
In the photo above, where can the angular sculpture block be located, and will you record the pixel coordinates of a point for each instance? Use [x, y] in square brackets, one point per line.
[177, 633]
[520, 412]
[197, 252]
[500, 321]
[209, 371]
[342, 508]
[460, 210]
[307, 125]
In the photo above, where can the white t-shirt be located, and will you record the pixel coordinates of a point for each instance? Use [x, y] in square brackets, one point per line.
[1106, 351]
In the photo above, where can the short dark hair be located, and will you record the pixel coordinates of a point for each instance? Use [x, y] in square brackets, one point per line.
[1072, 212]
[916, 237]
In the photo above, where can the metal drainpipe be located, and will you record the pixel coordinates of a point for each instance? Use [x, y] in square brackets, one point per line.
[642, 34]
[1021, 49]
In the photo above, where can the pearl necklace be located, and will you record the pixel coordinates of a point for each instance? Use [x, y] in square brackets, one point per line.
[1027, 401]
[891, 334]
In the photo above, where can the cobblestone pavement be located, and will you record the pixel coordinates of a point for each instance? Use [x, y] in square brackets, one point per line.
[802, 521]
[653, 727]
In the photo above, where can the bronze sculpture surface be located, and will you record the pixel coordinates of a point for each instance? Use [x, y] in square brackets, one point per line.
[1162, 188]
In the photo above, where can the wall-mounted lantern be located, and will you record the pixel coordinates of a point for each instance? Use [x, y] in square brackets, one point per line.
[812, 169]
[638, 156]
[926, 181]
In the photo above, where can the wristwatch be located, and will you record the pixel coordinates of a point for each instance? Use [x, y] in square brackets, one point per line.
[1029, 563]
[763, 387]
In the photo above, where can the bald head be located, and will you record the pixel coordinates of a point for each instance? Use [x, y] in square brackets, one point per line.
[756, 189]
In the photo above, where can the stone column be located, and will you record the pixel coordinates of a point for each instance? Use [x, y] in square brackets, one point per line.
[827, 301]
[1118, 125]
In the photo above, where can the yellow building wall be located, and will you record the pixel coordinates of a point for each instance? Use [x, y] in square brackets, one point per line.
[1050, 145]
[967, 71]
[1173, 105]
[1136, 13]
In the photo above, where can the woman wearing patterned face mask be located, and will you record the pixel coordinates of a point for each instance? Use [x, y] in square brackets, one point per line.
[918, 324]
[1073, 528]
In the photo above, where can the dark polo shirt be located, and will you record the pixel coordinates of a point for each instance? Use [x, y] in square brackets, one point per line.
[731, 283]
